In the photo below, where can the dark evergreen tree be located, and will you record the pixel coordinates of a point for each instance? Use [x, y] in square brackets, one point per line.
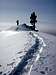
[33, 19]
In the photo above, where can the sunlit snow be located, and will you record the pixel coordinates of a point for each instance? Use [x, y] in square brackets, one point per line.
[8, 33]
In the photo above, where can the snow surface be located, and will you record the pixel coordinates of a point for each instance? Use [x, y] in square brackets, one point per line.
[16, 45]
[32, 55]
[12, 48]
[46, 65]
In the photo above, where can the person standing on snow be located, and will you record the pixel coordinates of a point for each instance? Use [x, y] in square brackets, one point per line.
[17, 22]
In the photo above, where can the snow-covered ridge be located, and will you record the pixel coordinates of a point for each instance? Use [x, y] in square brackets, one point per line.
[11, 41]
[30, 58]
[40, 48]
[19, 46]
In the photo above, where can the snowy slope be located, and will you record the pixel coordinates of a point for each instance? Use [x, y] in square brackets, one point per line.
[15, 46]
[32, 55]
[46, 65]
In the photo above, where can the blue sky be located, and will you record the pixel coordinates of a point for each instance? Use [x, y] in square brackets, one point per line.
[11, 10]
